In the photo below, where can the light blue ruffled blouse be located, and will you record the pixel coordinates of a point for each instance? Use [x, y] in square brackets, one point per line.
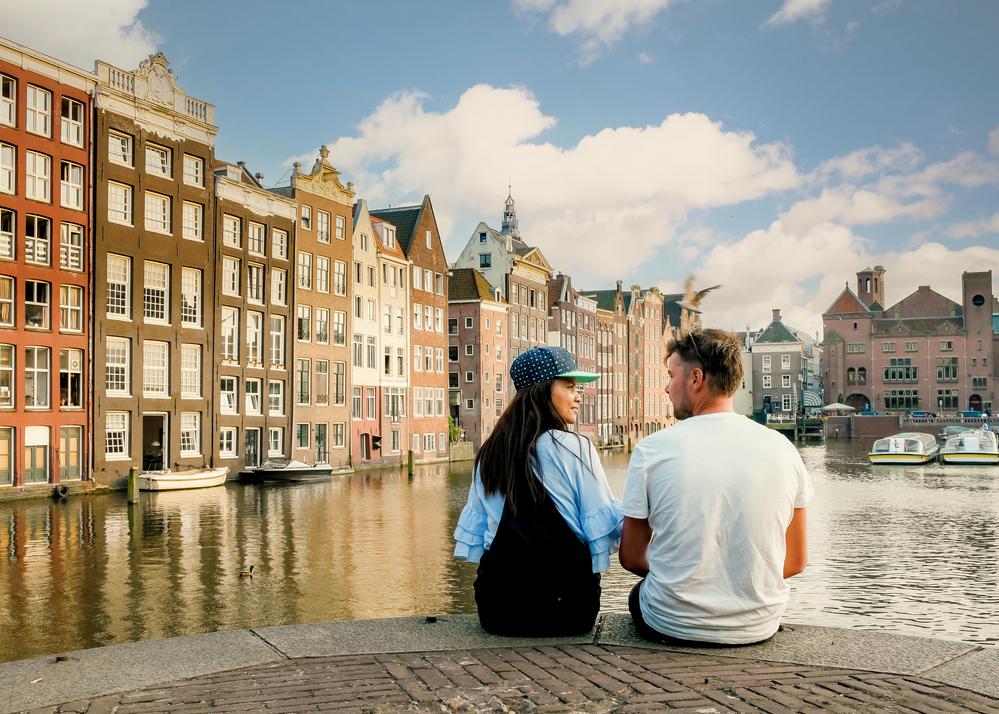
[580, 493]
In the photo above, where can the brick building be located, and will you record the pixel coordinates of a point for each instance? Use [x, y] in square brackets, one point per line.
[394, 366]
[612, 362]
[365, 432]
[46, 232]
[586, 361]
[154, 258]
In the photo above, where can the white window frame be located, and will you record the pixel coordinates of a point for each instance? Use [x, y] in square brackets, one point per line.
[158, 215]
[229, 323]
[279, 244]
[339, 328]
[6, 301]
[190, 297]
[38, 176]
[155, 375]
[277, 343]
[254, 337]
[159, 161]
[307, 218]
[118, 369]
[46, 304]
[37, 240]
[304, 270]
[194, 171]
[230, 275]
[256, 238]
[339, 277]
[232, 231]
[118, 264]
[190, 371]
[156, 292]
[767, 381]
[279, 286]
[193, 220]
[38, 111]
[71, 186]
[322, 326]
[785, 381]
[116, 436]
[228, 394]
[8, 366]
[124, 144]
[227, 442]
[8, 169]
[70, 246]
[341, 228]
[253, 397]
[8, 227]
[70, 308]
[255, 277]
[323, 226]
[39, 395]
[322, 273]
[8, 100]
[120, 203]
[275, 441]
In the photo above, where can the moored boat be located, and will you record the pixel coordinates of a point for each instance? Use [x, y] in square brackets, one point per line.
[274, 470]
[973, 447]
[176, 480]
[905, 448]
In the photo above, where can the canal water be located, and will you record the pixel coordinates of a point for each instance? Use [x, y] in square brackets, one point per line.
[912, 550]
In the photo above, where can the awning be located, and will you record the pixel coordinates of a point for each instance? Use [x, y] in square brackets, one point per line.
[811, 399]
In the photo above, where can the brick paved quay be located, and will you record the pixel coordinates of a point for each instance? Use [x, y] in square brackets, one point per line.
[378, 666]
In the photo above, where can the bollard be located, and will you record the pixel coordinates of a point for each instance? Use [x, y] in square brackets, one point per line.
[410, 463]
[629, 444]
[133, 485]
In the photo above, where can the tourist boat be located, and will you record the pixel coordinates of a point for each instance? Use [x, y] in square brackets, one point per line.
[176, 480]
[277, 470]
[905, 448]
[954, 430]
[971, 447]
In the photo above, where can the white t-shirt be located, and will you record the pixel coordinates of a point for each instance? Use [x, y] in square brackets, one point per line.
[719, 490]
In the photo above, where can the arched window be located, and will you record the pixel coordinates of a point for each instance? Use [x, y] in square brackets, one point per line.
[851, 376]
[862, 375]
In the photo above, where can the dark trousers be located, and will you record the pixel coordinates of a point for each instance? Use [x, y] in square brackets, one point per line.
[647, 632]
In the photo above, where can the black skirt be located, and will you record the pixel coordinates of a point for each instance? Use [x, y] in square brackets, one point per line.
[537, 579]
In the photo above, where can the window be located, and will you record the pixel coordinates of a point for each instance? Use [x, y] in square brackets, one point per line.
[428, 358]
[36, 377]
[418, 401]
[322, 274]
[430, 241]
[277, 341]
[120, 203]
[339, 394]
[39, 111]
[766, 381]
[279, 287]
[228, 395]
[232, 232]
[71, 186]
[469, 350]
[469, 376]
[439, 319]
[341, 228]
[452, 353]
[8, 177]
[255, 283]
[37, 176]
[785, 361]
[322, 326]
[155, 369]
[120, 148]
[279, 244]
[230, 276]
[452, 326]
[253, 403]
[190, 371]
[305, 271]
[400, 361]
[339, 277]
[116, 435]
[946, 345]
[71, 247]
[417, 358]
[117, 372]
[400, 320]
[275, 401]
[900, 370]
[156, 292]
[369, 394]
[307, 217]
[72, 122]
[119, 292]
[190, 297]
[499, 381]
[440, 359]
[8, 100]
[429, 442]
[227, 442]
[71, 308]
[275, 441]
[6, 376]
[785, 381]
[255, 238]
[417, 279]
[485, 261]
[304, 381]
[323, 227]
[302, 436]
[364, 243]
[304, 323]
[372, 311]
[887, 346]
[947, 369]
[37, 240]
[230, 334]
[355, 403]
[372, 355]
[856, 348]
[786, 402]
[947, 399]
[36, 305]
[358, 351]
[340, 328]
[158, 160]
[194, 170]
[902, 399]
[499, 327]
[979, 382]
[428, 318]
[158, 213]
[428, 281]
[417, 316]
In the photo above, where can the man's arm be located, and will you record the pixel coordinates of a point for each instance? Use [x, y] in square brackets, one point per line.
[635, 539]
[796, 539]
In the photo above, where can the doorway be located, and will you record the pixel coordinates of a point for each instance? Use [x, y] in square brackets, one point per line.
[251, 452]
[975, 403]
[322, 444]
[154, 442]
[859, 402]
[365, 447]
[69, 453]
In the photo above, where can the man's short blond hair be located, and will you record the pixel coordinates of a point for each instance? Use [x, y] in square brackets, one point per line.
[718, 353]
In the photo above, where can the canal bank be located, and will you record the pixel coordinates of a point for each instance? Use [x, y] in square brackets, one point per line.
[426, 664]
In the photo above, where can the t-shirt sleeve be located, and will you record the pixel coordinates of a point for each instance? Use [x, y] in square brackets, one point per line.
[636, 495]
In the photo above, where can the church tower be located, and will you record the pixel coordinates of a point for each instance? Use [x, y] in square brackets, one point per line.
[510, 216]
[871, 287]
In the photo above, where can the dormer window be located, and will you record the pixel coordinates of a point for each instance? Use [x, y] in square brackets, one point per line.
[482, 237]
[233, 172]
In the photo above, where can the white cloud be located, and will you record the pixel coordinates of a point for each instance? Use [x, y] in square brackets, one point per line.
[994, 142]
[973, 229]
[83, 31]
[886, 6]
[627, 187]
[645, 58]
[814, 11]
[598, 24]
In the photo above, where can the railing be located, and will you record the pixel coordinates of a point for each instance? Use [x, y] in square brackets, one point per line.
[322, 399]
[196, 109]
[121, 80]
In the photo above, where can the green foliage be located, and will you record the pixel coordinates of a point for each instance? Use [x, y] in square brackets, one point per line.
[453, 431]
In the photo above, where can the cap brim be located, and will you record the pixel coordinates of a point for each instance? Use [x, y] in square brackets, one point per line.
[580, 377]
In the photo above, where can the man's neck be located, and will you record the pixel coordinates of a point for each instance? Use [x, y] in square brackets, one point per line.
[716, 405]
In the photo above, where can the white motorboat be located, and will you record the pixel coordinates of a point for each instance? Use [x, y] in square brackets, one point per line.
[176, 480]
[905, 448]
[972, 447]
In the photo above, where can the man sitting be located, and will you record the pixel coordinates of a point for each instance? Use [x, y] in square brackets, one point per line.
[714, 509]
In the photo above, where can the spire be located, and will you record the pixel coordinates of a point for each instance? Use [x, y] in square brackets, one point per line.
[510, 215]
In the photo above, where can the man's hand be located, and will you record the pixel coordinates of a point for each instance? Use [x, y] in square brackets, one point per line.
[635, 539]
[796, 538]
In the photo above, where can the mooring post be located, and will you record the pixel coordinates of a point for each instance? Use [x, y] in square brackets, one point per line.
[133, 485]
[409, 465]
[629, 444]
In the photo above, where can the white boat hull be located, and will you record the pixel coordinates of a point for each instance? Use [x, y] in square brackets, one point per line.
[176, 480]
[970, 458]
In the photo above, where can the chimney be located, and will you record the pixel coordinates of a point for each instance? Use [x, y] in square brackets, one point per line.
[776, 314]
[619, 286]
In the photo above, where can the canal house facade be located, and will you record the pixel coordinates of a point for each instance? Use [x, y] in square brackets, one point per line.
[365, 425]
[258, 271]
[154, 258]
[323, 241]
[46, 232]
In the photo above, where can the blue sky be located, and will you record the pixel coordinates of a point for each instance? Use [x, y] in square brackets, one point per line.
[775, 147]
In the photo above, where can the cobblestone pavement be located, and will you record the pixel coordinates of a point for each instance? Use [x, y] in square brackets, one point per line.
[567, 678]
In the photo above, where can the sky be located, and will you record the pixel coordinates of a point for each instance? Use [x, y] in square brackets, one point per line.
[773, 147]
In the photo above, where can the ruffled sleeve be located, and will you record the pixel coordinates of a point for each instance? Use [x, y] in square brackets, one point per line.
[602, 531]
[470, 533]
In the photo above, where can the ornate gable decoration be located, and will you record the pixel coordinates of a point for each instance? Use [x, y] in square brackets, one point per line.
[535, 257]
[160, 85]
[323, 180]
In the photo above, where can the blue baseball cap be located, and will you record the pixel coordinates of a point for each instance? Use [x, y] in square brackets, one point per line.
[540, 364]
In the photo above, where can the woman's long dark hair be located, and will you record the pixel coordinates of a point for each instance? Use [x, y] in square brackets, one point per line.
[508, 460]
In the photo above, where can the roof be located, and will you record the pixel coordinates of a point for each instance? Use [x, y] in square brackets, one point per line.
[395, 252]
[469, 284]
[876, 307]
[672, 309]
[405, 219]
[847, 301]
[833, 336]
[606, 299]
[918, 324]
[776, 331]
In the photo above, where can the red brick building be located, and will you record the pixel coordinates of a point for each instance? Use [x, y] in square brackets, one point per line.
[46, 134]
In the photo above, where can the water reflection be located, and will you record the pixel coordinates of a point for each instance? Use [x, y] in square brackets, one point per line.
[907, 549]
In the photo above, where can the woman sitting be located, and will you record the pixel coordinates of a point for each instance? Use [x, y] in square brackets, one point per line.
[540, 519]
